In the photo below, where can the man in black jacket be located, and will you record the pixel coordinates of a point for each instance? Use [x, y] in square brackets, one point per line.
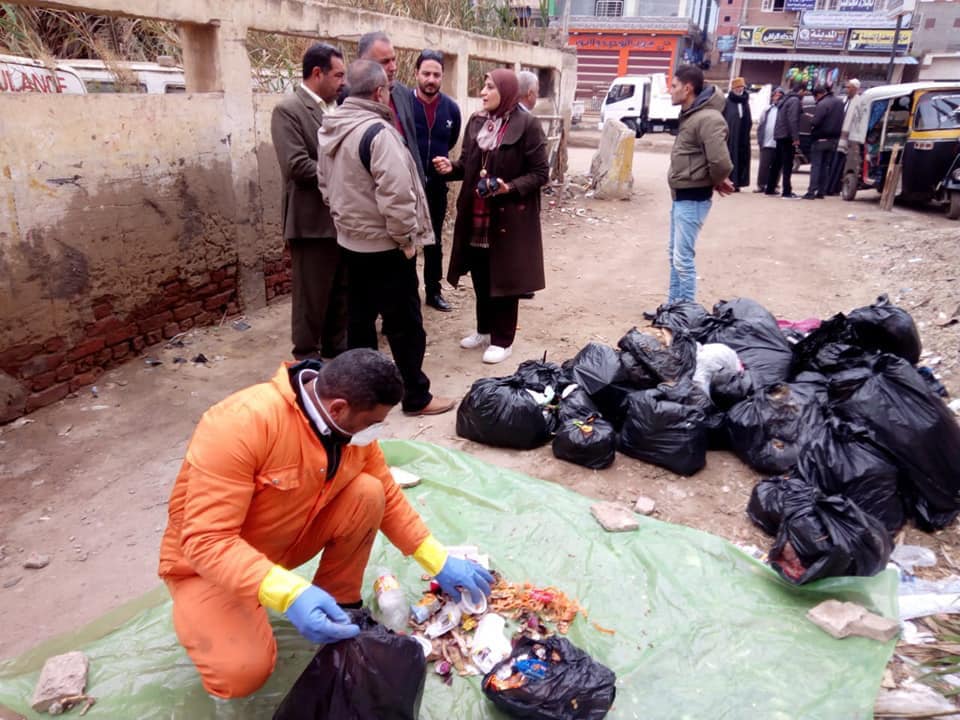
[376, 46]
[787, 134]
[824, 135]
[436, 119]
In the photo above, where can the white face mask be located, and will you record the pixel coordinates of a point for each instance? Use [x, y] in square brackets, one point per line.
[368, 435]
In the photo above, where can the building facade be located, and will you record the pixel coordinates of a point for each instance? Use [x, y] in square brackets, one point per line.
[633, 37]
[819, 41]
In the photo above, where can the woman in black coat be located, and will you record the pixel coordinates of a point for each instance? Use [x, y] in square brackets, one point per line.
[737, 114]
[496, 237]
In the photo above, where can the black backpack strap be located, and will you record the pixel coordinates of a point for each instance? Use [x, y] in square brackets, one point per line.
[366, 141]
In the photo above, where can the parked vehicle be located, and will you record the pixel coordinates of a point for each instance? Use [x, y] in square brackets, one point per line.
[26, 75]
[924, 120]
[140, 77]
[642, 103]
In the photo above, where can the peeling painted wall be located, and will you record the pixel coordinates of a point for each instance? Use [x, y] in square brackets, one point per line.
[107, 195]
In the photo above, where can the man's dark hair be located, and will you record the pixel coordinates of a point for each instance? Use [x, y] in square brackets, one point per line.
[367, 41]
[820, 90]
[363, 377]
[320, 55]
[434, 55]
[796, 85]
[690, 74]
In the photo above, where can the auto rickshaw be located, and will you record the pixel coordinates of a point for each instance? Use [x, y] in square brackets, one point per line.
[924, 120]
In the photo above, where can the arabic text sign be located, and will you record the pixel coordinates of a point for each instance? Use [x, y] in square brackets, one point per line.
[821, 39]
[856, 5]
[798, 5]
[767, 37]
[863, 40]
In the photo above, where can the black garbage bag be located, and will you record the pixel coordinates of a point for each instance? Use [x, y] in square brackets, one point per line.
[539, 374]
[688, 316]
[765, 507]
[827, 536]
[377, 675]
[887, 328]
[649, 363]
[914, 426]
[555, 681]
[841, 458]
[768, 429]
[666, 426]
[598, 370]
[753, 333]
[575, 404]
[503, 413]
[727, 388]
[590, 441]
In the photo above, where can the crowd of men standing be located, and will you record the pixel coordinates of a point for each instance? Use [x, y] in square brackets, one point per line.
[365, 166]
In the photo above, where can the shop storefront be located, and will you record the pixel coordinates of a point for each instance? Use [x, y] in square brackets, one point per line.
[607, 53]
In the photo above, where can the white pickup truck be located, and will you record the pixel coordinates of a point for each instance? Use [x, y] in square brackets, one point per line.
[642, 103]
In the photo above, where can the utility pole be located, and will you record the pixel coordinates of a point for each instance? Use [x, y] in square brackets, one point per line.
[893, 50]
[565, 22]
[735, 65]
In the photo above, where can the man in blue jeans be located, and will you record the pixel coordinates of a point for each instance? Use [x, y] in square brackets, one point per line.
[699, 164]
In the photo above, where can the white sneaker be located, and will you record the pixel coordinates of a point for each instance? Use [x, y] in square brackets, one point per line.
[474, 341]
[495, 354]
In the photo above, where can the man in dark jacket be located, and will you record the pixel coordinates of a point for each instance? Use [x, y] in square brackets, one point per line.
[824, 135]
[787, 135]
[737, 114]
[699, 164]
[376, 46]
[319, 302]
[436, 119]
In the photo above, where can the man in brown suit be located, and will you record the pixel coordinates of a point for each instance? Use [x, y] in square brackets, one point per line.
[319, 314]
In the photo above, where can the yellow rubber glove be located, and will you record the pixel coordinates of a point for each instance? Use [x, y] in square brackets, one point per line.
[431, 555]
[280, 588]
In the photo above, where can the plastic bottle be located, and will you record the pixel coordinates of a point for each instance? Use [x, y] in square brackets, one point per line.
[393, 605]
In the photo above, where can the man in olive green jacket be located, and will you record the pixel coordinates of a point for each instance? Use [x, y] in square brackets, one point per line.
[699, 164]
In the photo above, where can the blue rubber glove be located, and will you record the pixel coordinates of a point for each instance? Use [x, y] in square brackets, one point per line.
[319, 619]
[458, 573]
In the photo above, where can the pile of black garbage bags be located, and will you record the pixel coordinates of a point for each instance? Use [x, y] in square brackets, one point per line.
[853, 438]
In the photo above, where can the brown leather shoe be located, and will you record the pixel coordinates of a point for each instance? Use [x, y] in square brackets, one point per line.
[437, 406]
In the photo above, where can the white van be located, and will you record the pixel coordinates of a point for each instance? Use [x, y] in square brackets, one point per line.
[25, 75]
[153, 78]
[642, 103]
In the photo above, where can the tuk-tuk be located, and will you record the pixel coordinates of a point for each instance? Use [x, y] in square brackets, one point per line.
[924, 120]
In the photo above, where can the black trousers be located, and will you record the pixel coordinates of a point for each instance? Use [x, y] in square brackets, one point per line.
[433, 254]
[763, 169]
[821, 155]
[782, 162]
[318, 318]
[496, 316]
[837, 164]
[385, 284]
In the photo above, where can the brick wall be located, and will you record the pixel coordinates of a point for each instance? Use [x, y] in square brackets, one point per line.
[48, 371]
[276, 276]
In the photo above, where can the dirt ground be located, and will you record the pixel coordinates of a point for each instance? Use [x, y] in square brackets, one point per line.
[86, 480]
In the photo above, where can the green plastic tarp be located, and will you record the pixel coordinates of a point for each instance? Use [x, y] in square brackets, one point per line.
[702, 630]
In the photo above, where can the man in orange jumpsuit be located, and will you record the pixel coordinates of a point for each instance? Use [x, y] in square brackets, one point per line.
[273, 475]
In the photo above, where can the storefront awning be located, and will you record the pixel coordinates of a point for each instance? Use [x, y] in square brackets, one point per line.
[827, 58]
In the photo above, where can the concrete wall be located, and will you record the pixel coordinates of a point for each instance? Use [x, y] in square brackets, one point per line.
[125, 219]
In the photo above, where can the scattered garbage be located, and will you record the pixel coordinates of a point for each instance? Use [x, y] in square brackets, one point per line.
[152, 361]
[909, 557]
[551, 679]
[378, 674]
[241, 325]
[390, 601]
[200, 359]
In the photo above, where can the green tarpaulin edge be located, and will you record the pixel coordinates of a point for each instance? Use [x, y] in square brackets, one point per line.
[702, 630]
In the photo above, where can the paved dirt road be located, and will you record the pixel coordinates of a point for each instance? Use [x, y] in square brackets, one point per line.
[87, 480]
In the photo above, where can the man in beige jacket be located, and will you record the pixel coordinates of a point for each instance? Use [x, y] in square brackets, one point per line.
[369, 179]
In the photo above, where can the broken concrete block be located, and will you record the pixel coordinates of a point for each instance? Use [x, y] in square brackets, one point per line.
[645, 505]
[613, 517]
[63, 676]
[612, 165]
[404, 478]
[842, 619]
[36, 561]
